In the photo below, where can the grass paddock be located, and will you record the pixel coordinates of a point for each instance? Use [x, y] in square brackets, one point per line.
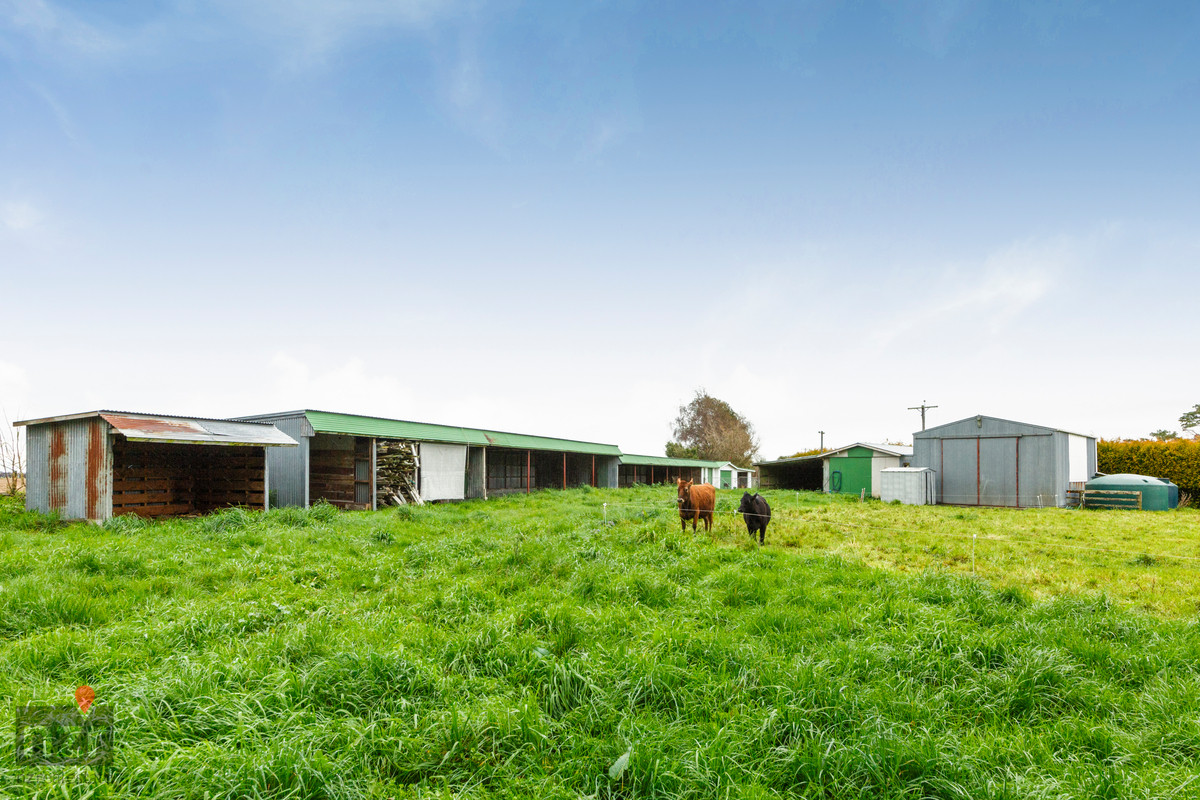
[522, 647]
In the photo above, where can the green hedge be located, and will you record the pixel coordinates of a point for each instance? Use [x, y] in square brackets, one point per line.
[1177, 461]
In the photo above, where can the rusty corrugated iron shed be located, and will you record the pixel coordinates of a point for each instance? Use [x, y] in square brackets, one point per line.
[180, 430]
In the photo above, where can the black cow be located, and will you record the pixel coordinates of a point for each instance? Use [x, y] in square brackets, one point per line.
[757, 513]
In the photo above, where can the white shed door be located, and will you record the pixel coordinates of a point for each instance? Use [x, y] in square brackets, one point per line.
[1077, 458]
[443, 471]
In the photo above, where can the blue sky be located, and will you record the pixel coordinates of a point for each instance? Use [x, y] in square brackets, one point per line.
[563, 218]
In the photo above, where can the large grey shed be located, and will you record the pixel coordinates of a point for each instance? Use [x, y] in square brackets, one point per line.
[987, 461]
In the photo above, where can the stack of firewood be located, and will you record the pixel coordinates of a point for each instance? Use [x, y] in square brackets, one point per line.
[396, 473]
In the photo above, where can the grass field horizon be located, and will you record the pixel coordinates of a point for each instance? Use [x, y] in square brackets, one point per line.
[527, 646]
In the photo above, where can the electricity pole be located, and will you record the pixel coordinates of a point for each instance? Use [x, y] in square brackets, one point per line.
[823, 439]
[921, 408]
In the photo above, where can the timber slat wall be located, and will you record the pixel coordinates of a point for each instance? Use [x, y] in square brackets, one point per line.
[153, 479]
[332, 474]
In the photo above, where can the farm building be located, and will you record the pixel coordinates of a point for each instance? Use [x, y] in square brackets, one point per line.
[801, 473]
[847, 470]
[358, 462]
[727, 475]
[664, 469]
[986, 461]
[99, 464]
[851, 469]
[650, 470]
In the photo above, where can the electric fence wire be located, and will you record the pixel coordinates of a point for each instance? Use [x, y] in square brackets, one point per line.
[972, 536]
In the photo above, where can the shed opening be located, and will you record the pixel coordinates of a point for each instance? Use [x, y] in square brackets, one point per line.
[153, 479]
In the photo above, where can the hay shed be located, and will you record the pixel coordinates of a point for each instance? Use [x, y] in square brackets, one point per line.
[361, 462]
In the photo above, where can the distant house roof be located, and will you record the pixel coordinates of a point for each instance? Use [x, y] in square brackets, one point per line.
[384, 428]
[180, 430]
[889, 449]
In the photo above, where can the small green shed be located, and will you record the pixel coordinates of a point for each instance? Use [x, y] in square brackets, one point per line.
[851, 469]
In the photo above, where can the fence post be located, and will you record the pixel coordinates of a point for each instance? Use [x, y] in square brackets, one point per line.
[606, 513]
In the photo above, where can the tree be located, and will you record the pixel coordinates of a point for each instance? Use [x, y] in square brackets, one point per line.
[709, 429]
[676, 450]
[1164, 435]
[1190, 419]
[12, 459]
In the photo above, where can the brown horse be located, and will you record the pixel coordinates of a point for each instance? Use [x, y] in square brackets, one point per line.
[696, 503]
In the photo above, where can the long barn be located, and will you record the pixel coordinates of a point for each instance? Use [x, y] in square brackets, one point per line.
[340, 460]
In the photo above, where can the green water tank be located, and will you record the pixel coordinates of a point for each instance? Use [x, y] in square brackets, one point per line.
[1106, 492]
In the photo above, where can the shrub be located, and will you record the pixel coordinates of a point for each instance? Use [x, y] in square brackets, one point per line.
[1177, 461]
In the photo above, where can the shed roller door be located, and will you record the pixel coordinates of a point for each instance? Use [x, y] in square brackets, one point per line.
[960, 472]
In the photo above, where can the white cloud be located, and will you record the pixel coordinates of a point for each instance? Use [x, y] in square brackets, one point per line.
[20, 216]
[318, 27]
[985, 297]
[54, 27]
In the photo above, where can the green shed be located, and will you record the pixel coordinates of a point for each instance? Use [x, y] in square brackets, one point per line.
[851, 469]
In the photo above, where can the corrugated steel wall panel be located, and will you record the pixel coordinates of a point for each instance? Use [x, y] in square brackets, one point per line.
[37, 468]
[1037, 471]
[608, 470]
[70, 468]
[959, 486]
[87, 482]
[288, 466]
[998, 471]
[1062, 461]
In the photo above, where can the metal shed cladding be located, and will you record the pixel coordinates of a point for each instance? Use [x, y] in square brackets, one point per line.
[338, 460]
[101, 463]
[988, 461]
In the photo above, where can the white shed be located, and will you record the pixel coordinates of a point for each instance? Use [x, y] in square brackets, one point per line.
[912, 486]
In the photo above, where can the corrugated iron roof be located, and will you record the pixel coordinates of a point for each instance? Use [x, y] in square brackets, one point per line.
[930, 433]
[382, 428]
[181, 430]
[666, 461]
[890, 449]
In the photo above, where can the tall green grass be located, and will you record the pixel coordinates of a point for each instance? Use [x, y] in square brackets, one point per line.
[521, 647]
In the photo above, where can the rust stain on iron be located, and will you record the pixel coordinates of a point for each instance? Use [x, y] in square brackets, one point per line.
[58, 468]
[95, 467]
[152, 425]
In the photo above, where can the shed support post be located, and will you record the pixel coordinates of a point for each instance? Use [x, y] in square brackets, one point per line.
[564, 470]
[528, 466]
[593, 472]
[485, 474]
